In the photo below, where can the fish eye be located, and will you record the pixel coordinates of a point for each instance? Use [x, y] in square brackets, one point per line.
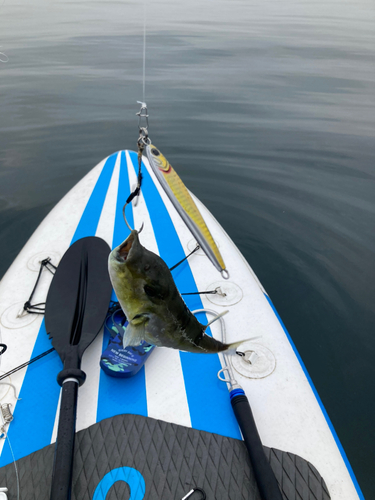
[147, 267]
[155, 152]
[151, 292]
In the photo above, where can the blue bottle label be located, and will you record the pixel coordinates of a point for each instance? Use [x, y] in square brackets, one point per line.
[119, 361]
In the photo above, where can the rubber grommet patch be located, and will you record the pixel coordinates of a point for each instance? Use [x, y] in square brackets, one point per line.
[228, 293]
[34, 262]
[258, 361]
[12, 318]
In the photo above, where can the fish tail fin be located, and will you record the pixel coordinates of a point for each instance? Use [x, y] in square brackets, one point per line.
[232, 348]
[211, 345]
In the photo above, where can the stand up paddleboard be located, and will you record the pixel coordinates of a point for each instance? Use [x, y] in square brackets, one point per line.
[171, 427]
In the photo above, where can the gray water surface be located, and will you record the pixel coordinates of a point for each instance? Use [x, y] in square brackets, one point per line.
[265, 109]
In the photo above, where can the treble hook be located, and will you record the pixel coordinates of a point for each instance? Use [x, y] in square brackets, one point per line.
[203, 497]
[126, 222]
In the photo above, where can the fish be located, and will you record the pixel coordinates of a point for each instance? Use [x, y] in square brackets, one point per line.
[154, 307]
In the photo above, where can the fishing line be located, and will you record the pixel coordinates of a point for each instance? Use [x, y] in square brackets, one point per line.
[15, 468]
[13, 457]
[143, 131]
[10, 386]
[144, 50]
[2, 55]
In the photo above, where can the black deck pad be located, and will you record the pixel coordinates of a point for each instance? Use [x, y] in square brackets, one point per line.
[172, 460]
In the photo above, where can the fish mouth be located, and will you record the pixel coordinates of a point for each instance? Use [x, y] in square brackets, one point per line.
[124, 250]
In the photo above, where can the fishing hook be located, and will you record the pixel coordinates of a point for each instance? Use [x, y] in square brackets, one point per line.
[126, 222]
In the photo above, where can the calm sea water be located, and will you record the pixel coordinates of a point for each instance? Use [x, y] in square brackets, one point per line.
[266, 110]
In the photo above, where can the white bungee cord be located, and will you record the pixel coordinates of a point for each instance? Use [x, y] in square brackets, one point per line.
[231, 381]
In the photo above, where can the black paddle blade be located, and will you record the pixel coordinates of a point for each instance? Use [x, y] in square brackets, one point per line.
[78, 299]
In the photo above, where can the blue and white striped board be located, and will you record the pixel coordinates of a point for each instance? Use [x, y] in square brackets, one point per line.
[174, 386]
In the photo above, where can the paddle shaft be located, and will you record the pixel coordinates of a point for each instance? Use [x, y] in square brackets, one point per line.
[63, 463]
[264, 475]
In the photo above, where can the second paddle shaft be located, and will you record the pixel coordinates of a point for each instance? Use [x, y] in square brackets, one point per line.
[264, 475]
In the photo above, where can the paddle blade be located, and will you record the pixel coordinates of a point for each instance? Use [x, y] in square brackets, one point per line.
[78, 297]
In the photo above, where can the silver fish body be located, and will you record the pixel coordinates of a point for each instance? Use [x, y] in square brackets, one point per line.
[152, 304]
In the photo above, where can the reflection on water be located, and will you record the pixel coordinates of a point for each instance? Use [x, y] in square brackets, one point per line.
[265, 109]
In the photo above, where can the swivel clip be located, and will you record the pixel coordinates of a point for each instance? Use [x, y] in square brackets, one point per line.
[142, 114]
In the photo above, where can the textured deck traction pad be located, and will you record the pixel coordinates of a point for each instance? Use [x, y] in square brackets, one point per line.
[172, 459]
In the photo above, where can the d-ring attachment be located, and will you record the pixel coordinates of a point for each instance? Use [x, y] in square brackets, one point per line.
[203, 497]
